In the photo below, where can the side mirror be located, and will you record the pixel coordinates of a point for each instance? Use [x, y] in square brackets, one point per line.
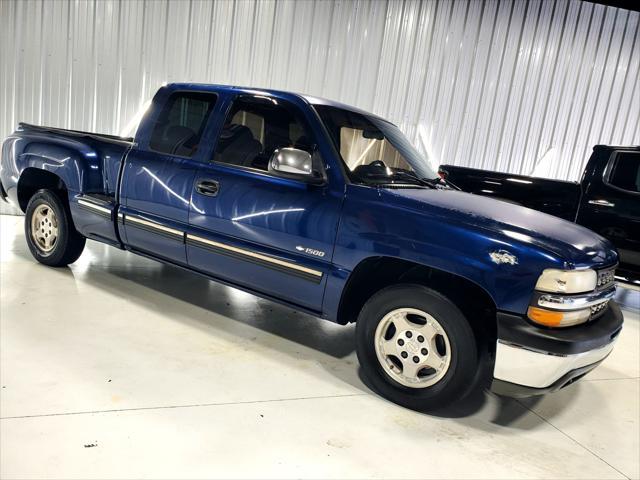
[295, 164]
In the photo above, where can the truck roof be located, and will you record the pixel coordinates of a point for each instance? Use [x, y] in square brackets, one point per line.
[311, 99]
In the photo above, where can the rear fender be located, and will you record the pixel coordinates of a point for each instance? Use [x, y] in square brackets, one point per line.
[76, 164]
[78, 169]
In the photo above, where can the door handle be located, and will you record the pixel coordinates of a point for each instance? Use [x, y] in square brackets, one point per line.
[602, 203]
[209, 188]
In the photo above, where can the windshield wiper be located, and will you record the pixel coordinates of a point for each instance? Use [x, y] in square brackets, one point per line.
[410, 176]
[398, 175]
[440, 183]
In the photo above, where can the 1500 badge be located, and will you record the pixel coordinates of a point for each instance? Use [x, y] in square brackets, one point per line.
[310, 251]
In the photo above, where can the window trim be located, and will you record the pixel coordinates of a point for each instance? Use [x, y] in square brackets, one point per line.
[344, 170]
[259, 171]
[608, 171]
[157, 118]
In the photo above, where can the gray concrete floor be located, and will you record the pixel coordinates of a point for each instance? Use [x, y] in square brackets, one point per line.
[120, 367]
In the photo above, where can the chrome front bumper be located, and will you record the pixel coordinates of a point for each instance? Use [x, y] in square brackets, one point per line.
[531, 360]
[519, 365]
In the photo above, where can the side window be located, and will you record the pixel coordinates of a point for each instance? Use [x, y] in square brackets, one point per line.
[255, 128]
[626, 171]
[180, 125]
[252, 121]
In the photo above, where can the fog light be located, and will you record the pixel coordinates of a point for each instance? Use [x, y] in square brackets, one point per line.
[552, 318]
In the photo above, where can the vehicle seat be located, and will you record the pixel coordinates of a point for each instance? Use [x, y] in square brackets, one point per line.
[177, 138]
[237, 146]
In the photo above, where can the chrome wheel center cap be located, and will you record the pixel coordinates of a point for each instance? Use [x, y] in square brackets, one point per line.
[412, 346]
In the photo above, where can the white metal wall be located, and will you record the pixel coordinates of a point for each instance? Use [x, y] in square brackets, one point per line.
[519, 86]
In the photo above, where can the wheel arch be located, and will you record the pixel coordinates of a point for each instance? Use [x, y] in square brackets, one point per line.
[33, 179]
[375, 273]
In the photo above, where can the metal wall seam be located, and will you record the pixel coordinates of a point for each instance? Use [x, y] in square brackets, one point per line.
[524, 86]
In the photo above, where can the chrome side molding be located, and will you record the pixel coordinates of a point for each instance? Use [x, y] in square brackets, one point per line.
[223, 248]
[153, 225]
[94, 206]
[254, 255]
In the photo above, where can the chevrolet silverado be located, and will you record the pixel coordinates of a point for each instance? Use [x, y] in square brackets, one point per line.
[330, 210]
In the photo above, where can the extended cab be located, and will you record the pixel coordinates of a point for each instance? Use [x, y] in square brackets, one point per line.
[606, 200]
[329, 209]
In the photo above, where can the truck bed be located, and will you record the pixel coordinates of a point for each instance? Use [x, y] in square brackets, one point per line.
[556, 197]
[128, 141]
[86, 163]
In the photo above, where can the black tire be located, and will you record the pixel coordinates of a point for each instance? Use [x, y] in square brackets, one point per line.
[459, 377]
[68, 245]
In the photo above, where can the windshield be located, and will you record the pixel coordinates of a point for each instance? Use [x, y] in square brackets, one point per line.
[373, 150]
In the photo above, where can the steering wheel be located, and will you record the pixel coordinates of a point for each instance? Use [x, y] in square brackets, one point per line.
[378, 163]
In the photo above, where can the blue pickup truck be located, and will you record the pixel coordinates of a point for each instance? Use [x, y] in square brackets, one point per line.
[330, 210]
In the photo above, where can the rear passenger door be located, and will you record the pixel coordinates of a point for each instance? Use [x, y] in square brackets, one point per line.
[158, 175]
[252, 228]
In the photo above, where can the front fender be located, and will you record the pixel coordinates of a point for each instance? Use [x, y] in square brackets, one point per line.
[373, 226]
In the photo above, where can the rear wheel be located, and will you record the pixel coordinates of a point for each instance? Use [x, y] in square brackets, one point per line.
[51, 236]
[416, 348]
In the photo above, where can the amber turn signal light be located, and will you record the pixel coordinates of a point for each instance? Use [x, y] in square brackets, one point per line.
[545, 317]
[552, 318]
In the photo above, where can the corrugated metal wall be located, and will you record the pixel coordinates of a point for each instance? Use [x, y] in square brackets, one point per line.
[519, 86]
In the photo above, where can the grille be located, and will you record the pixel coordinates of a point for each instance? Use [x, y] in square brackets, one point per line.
[605, 278]
[597, 310]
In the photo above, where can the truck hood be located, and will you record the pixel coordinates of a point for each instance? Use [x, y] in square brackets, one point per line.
[570, 242]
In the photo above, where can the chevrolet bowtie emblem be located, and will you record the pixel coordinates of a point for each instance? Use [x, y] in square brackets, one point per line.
[502, 257]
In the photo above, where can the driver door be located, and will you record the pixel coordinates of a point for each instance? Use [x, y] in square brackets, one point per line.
[251, 228]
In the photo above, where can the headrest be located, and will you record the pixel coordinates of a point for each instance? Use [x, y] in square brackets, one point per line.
[234, 131]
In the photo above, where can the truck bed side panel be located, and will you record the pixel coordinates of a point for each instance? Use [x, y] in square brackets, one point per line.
[87, 165]
[554, 197]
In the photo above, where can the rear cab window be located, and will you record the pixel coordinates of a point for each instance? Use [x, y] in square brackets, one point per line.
[181, 123]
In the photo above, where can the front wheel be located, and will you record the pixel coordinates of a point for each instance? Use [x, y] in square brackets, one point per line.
[48, 227]
[416, 348]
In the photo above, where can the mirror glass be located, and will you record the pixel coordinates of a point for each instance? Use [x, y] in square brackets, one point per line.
[291, 161]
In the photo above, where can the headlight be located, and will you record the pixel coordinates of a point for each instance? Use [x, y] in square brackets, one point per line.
[567, 281]
[564, 298]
